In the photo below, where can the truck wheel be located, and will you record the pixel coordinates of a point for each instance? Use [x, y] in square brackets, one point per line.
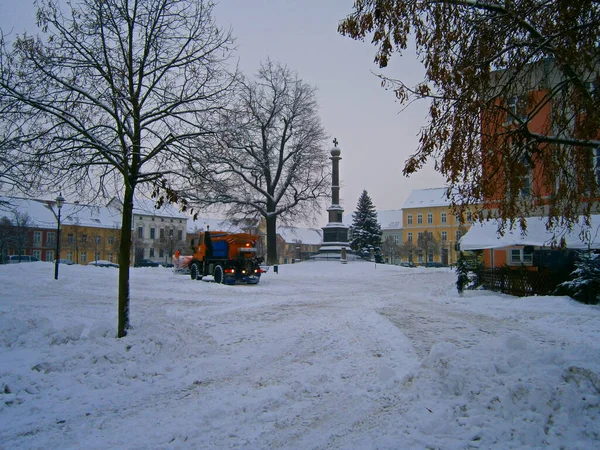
[218, 274]
[195, 271]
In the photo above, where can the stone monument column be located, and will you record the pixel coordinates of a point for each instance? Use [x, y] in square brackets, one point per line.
[335, 233]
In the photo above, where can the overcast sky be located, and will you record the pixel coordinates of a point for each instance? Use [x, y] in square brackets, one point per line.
[375, 136]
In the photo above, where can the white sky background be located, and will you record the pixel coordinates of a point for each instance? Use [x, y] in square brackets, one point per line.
[374, 135]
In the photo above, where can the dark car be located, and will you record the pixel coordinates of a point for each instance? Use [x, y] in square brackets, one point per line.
[434, 264]
[146, 263]
[103, 263]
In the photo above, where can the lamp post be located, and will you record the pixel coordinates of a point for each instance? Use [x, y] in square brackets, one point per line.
[60, 201]
[450, 251]
[171, 245]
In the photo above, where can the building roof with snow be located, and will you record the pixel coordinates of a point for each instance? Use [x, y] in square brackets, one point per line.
[42, 213]
[310, 236]
[485, 235]
[390, 219]
[427, 198]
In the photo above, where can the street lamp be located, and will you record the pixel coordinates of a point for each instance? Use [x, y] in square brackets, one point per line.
[60, 201]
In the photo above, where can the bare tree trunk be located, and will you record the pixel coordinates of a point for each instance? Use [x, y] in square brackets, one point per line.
[271, 239]
[124, 249]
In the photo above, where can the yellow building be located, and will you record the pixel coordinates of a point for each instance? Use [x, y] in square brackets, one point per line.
[89, 233]
[428, 210]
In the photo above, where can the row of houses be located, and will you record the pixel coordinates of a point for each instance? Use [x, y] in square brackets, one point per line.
[91, 233]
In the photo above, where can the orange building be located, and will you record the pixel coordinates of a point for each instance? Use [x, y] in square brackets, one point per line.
[533, 182]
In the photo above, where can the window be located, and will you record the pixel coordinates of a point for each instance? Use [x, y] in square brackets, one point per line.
[50, 255]
[420, 219]
[521, 255]
[409, 219]
[50, 237]
[458, 235]
[396, 239]
[84, 238]
[444, 216]
[410, 237]
[140, 233]
[430, 256]
[152, 233]
[429, 218]
[152, 252]
[111, 240]
[180, 234]
[410, 256]
[162, 234]
[37, 237]
[97, 239]
[419, 236]
[110, 257]
[161, 252]
[83, 257]
[70, 256]
[444, 236]
[37, 254]
[96, 256]
[420, 257]
[70, 238]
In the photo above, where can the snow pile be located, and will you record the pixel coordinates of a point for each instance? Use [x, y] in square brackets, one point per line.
[321, 355]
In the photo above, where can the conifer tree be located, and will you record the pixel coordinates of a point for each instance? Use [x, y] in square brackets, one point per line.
[365, 229]
[585, 285]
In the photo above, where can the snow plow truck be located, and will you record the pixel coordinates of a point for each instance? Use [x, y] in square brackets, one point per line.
[229, 257]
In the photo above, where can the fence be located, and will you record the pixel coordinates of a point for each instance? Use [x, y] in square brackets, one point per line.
[521, 282]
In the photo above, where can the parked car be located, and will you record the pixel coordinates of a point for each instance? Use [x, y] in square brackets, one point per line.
[434, 264]
[15, 259]
[146, 263]
[407, 264]
[103, 263]
[68, 262]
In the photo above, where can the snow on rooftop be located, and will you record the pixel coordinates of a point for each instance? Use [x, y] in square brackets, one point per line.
[303, 235]
[424, 198]
[390, 219]
[484, 235]
[148, 207]
[42, 213]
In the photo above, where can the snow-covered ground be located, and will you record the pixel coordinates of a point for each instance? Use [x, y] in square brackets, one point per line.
[319, 356]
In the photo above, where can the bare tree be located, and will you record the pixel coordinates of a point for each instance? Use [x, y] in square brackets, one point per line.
[513, 90]
[7, 233]
[272, 162]
[407, 250]
[390, 249]
[428, 243]
[21, 238]
[110, 101]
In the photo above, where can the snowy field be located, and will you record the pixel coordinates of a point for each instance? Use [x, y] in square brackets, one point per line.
[319, 356]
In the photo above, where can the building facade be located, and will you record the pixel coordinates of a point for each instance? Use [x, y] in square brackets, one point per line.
[428, 211]
[157, 233]
[391, 235]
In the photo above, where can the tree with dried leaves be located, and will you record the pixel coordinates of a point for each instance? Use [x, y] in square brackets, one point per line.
[109, 101]
[514, 113]
[271, 160]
